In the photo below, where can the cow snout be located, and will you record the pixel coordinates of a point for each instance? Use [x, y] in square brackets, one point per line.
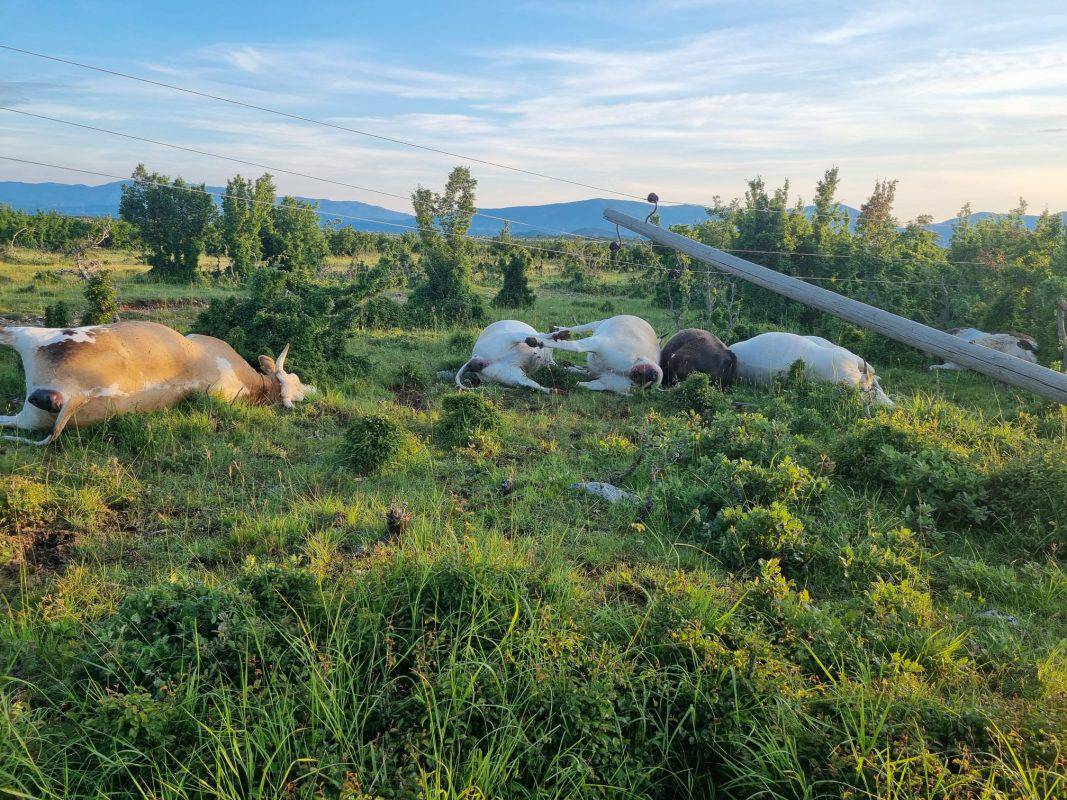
[47, 400]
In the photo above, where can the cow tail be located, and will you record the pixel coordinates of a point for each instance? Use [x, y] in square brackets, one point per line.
[729, 372]
[459, 374]
[64, 417]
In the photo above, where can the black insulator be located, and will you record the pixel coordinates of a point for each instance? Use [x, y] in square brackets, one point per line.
[653, 197]
[615, 247]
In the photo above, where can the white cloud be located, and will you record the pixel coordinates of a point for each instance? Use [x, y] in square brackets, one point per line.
[870, 23]
[954, 104]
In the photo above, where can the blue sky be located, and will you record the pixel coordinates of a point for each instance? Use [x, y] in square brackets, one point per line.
[961, 101]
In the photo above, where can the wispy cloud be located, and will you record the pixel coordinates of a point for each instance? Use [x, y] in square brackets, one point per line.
[871, 23]
[958, 101]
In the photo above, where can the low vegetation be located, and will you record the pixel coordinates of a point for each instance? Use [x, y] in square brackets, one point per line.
[392, 590]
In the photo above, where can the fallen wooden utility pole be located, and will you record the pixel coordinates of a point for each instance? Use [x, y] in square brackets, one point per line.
[1009, 369]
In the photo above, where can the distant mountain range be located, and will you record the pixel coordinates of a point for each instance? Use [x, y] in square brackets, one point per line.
[581, 216]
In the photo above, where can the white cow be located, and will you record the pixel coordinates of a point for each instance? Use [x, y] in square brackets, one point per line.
[1013, 344]
[763, 358]
[623, 352]
[503, 355]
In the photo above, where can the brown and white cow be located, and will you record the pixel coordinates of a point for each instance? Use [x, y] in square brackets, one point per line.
[1020, 345]
[83, 376]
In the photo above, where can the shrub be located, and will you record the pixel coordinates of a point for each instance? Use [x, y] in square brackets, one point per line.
[1032, 489]
[380, 312]
[756, 438]
[101, 307]
[410, 378]
[698, 394]
[279, 592]
[465, 417]
[286, 307]
[717, 482]
[23, 503]
[462, 340]
[514, 262]
[371, 442]
[162, 633]
[139, 720]
[761, 532]
[920, 461]
[57, 316]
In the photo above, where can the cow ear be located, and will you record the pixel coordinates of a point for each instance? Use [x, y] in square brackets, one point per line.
[266, 364]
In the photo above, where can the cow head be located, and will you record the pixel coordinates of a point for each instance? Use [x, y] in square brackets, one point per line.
[1025, 347]
[871, 387]
[290, 389]
[646, 374]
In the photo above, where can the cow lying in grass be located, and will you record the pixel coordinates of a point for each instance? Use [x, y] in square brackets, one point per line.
[763, 358]
[1013, 344]
[622, 353]
[83, 376]
[694, 350]
[502, 355]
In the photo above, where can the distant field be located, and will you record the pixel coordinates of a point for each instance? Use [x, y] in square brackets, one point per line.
[808, 600]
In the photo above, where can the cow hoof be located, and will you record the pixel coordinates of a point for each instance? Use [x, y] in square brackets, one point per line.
[531, 341]
[47, 400]
[561, 336]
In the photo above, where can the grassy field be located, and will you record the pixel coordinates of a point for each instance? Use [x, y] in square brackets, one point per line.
[805, 600]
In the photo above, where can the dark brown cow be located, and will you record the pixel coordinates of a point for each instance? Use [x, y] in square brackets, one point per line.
[695, 350]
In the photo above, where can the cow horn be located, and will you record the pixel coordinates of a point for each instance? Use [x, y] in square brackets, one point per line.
[279, 365]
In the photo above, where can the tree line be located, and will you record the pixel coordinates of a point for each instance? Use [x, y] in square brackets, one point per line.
[996, 274]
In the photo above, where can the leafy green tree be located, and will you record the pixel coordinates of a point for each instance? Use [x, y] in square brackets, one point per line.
[240, 238]
[295, 241]
[513, 263]
[57, 316]
[444, 289]
[101, 306]
[876, 229]
[827, 241]
[245, 209]
[172, 219]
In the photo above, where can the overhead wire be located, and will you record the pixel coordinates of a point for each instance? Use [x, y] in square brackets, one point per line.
[313, 121]
[384, 193]
[356, 131]
[471, 237]
[272, 168]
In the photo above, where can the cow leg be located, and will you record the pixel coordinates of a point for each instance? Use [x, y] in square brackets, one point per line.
[515, 377]
[608, 382]
[64, 416]
[580, 346]
[588, 327]
[28, 419]
[947, 365]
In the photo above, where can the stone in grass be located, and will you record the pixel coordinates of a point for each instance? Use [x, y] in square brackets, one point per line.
[605, 491]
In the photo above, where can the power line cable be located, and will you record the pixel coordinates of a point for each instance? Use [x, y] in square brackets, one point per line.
[282, 170]
[477, 213]
[357, 131]
[313, 121]
[482, 239]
